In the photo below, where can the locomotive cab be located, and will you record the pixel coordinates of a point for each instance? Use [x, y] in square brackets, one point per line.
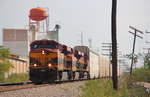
[44, 60]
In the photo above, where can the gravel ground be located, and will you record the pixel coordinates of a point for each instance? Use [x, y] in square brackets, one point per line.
[59, 90]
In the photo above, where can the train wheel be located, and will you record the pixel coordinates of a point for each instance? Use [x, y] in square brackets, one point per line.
[88, 75]
[70, 75]
[37, 82]
[74, 75]
[81, 75]
[60, 74]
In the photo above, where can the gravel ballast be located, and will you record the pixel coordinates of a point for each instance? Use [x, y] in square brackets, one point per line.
[59, 90]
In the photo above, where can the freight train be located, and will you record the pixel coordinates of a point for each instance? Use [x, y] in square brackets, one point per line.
[51, 61]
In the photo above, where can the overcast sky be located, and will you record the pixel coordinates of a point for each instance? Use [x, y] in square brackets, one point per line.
[92, 17]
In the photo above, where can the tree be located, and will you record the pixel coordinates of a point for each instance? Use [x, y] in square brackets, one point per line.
[147, 61]
[135, 57]
[5, 64]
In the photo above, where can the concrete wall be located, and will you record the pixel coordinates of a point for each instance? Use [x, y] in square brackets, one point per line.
[17, 47]
[17, 41]
[20, 66]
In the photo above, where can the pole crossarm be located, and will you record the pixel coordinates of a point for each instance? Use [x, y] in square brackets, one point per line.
[147, 41]
[136, 35]
[108, 46]
[106, 54]
[147, 31]
[107, 43]
[107, 49]
[136, 29]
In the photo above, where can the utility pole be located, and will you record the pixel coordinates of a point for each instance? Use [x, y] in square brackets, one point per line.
[148, 50]
[82, 38]
[90, 43]
[114, 45]
[135, 35]
[147, 42]
[108, 47]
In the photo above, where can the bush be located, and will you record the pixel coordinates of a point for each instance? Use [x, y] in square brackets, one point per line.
[17, 78]
[5, 65]
[103, 87]
[140, 75]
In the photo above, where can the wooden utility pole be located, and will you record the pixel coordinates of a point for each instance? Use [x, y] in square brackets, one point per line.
[82, 38]
[114, 45]
[147, 42]
[135, 35]
[90, 43]
[108, 47]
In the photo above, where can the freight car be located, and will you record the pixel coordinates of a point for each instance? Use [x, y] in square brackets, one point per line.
[51, 61]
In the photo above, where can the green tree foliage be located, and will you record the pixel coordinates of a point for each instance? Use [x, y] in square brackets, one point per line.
[5, 64]
[147, 61]
[135, 57]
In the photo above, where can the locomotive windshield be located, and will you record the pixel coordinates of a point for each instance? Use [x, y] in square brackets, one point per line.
[48, 46]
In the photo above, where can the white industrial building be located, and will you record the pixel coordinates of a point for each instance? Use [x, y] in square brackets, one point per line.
[18, 40]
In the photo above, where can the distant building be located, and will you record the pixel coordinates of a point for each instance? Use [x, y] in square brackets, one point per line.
[17, 41]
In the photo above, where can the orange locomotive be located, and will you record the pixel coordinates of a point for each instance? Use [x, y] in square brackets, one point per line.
[50, 59]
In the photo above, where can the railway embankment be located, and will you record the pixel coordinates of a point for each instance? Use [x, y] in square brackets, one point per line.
[72, 89]
[103, 87]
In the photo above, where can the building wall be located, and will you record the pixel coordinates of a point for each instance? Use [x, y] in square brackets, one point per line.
[17, 47]
[17, 41]
[20, 66]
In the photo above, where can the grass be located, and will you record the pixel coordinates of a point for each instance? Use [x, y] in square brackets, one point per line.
[103, 87]
[16, 78]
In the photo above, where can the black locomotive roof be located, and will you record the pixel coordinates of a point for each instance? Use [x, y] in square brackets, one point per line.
[45, 42]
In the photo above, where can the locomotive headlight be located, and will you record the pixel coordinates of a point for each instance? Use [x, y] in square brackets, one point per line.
[49, 65]
[35, 65]
[43, 52]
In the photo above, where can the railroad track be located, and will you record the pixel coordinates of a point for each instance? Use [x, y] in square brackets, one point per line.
[13, 84]
[4, 87]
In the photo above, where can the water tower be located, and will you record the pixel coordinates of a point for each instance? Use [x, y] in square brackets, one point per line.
[38, 22]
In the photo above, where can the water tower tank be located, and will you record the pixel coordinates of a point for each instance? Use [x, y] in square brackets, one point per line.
[38, 14]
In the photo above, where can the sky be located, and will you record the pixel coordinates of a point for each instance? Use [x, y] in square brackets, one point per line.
[92, 17]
